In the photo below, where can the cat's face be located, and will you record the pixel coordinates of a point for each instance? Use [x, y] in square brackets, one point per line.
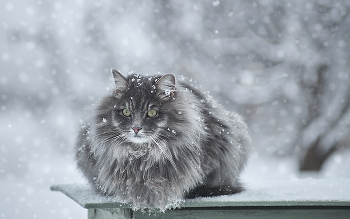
[139, 120]
[141, 112]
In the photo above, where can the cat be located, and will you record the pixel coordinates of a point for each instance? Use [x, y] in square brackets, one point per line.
[156, 140]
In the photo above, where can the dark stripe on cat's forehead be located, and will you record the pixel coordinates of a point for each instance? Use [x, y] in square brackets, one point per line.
[140, 93]
[138, 103]
[144, 106]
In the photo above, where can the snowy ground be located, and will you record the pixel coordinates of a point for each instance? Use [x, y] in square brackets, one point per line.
[29, 164]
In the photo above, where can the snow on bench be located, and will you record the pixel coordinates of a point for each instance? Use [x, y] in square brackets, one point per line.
[300, 198]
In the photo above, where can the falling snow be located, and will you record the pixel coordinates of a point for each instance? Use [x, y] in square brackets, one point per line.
[286, 72]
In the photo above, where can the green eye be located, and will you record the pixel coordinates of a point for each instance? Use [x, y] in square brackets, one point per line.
[126, 112]
[152, 113]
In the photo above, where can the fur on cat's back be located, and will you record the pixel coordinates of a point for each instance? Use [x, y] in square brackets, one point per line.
[154, 141]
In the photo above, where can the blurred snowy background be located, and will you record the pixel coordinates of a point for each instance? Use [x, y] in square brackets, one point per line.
[284, 65]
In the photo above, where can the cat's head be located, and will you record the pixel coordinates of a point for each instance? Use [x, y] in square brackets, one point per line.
[142, 110]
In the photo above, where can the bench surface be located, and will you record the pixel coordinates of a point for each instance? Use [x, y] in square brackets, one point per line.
[299, 197]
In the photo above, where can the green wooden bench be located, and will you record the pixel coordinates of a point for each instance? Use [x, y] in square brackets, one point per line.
[302, 198]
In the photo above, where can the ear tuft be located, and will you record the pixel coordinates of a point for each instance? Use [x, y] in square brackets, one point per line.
[166, 85]
[120, 82]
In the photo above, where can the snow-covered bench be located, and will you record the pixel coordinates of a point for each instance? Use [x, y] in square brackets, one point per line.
[301, 198]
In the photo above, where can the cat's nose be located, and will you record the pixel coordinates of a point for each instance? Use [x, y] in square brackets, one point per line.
[136, 129]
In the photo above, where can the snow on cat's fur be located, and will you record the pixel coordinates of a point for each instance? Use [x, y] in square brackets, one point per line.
[154, 142]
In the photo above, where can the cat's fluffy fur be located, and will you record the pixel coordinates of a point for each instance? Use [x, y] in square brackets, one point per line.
[192, 147]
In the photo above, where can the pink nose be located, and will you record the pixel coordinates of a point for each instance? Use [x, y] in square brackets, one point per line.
[136, 129]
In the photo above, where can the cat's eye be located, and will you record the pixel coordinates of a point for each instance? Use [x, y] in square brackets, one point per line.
[152, 113]
[126, 112]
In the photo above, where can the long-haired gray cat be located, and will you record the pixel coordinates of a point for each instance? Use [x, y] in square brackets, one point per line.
[154, 141]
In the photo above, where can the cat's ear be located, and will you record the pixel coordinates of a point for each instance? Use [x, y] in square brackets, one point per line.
[120, 82]
[166, 86]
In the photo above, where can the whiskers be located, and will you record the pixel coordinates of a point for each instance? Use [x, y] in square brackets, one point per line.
[110, 137]
[163, 150]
